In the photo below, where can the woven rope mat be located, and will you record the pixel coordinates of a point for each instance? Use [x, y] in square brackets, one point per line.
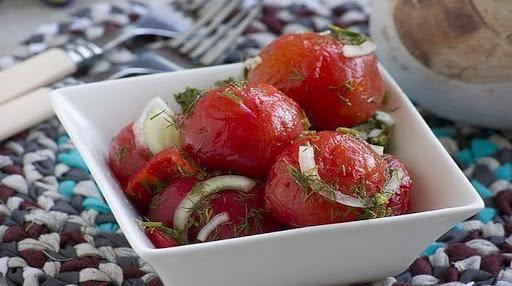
[57, 230]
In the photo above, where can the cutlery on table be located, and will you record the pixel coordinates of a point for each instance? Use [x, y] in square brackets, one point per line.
[206, 41]
[34, 107]
[56, 63]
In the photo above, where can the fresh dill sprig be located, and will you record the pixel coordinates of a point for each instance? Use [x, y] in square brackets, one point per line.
[309, 134]
[121, 153]
[296, 75]
[344, 99]
[173, 233]
[230, 94]
[253, 216]
[348, 131]
[154, 186]
[347, 37]
[223, 82]
[305, 121]
[187, 99]
[171, 120]
[311, 184]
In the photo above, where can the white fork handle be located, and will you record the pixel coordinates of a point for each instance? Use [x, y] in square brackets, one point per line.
[25, 111]
[35, 72]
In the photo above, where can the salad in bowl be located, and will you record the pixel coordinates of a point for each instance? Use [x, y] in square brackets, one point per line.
[301, 140]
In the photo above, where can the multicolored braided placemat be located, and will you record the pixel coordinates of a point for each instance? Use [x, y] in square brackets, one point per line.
[55, 228]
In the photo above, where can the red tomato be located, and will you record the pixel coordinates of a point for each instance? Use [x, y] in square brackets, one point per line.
[333, 90]
[165, 166]
[343, 161]
[164, 204]
[241, 127]
[125, 157]
[159, 238]
[399, 201]
[245, 211]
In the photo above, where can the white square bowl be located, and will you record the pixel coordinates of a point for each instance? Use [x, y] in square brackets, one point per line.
[320, 255]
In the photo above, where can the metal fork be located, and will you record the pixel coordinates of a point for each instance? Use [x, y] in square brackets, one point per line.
[61, 62]
[213, 33]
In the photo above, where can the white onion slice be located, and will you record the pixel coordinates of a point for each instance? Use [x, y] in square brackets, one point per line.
[308, 167]
[205, 189]
[384, 118]
[378, 149]
[352, 51]
[211, 225]
[307, 163]
[153, 129]
[393, 184]
[344, 199]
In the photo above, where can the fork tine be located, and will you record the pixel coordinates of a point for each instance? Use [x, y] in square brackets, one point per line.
[220, 32]
[203, 33]
[198, 24]
[223, 44]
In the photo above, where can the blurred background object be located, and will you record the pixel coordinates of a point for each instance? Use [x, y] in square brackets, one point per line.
[20, 18]
[453, 57]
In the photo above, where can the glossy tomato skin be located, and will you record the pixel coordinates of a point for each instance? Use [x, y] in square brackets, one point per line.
[335, 91]
[246, 212]
[399, 201]
[164, 205]
[155, 175]
[125, 157]
[241, 128]
[344, 161]
[159, 238]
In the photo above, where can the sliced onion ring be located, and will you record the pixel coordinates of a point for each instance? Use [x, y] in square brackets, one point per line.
[307, 162]
[352, 51]
[211, 225]
[343, 199]
[308, 167]
[205, 189]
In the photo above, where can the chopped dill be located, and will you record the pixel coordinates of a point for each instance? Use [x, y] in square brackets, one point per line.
[122, 152]
[187, 99]
[305, 121]
[309, 134]
[348, 131]
[228, 93]
[253, 216]
[173, 233]
[154, 186]
[223, 82]
[347, 37]
[183, 172]
[296, 75]
[171, 120]
[377, 207]
[311, 183]
[344, 99]
[348, 85]
[245, 196]
[386, 97]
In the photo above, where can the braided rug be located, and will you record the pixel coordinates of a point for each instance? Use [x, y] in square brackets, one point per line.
[56, 229]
